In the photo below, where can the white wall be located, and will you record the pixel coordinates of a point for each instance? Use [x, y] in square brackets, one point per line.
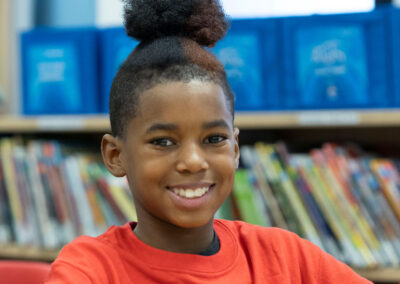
[260, 8]
[109, 12]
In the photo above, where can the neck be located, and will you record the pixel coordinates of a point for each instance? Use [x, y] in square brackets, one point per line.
[162, 235]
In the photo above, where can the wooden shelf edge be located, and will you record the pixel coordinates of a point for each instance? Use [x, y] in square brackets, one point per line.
[325, 118]
[27, 253]
[391, 275]
[244, 120]
[61, 123]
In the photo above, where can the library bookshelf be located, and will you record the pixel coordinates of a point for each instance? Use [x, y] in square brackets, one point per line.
[370, 127]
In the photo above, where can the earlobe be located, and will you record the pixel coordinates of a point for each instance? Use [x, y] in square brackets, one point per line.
[237, 152]
[111, 150]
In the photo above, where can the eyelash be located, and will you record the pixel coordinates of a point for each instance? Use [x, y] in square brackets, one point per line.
[220, 137]
[159, 142]
[163, 141]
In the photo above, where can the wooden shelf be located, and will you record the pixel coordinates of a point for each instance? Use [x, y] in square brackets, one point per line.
[27, 253]
[387, 275]
[310, 119]
[244, 120]
[32, 124]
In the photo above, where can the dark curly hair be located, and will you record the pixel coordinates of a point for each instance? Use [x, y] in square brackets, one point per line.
[171, 35]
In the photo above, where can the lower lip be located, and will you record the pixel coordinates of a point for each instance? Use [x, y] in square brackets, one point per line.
[191, 203]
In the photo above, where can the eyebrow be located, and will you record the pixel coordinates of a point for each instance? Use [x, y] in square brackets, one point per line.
[216, 123]
[161, 127]
[172, 127]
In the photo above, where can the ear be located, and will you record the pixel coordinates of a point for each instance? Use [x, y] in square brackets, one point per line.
[237, 152]
[111, 151]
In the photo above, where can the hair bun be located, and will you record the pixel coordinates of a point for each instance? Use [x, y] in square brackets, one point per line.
[203, 21]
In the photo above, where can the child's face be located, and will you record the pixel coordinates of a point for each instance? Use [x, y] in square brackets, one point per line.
[181, 143]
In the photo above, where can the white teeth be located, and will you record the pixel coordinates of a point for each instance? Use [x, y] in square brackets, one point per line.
[190, 193]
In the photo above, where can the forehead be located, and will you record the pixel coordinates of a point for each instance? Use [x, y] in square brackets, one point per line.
[188, 99]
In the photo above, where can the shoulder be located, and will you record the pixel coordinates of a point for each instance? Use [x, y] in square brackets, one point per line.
[268, 235]
[84, 246]
[295, 256]
[87, 257]
[271, 240]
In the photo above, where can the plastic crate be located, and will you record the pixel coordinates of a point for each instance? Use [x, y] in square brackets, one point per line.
[116, 45]
[60, 71]
[394, 19]
[250, 55]
[337, 61]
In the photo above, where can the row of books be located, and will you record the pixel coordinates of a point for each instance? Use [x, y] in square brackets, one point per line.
[52, 193]
[309, 62]
[339, 198]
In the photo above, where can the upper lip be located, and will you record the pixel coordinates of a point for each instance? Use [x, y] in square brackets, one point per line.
[191, 185]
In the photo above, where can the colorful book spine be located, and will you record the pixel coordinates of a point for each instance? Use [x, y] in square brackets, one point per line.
[252, 161]
[246, 200]
[338, 198]
[48, 198]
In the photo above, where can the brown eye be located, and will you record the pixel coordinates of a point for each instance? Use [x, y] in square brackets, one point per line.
[214, 139]
[163, 142]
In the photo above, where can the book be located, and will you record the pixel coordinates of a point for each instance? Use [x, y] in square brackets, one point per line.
[338, 161]
[50, 158]
[104, 187]
[77, 187]
[279, 192]
[325, 231]
[120, 191]
[5, 214]
[13, 191]
[322, 228]
[29, 231]
[318, 189]
[47, 228]
[246, 200]
[390, 182]
[341, 204]
[251, 160]
[291, 192]
[371, 207]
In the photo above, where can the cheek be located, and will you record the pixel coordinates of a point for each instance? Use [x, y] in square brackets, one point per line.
[146, 170]
[225, 165]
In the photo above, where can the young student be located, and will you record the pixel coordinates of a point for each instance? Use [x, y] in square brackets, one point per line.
[173, 137]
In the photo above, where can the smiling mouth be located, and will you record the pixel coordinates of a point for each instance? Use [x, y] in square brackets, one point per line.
[191, 193]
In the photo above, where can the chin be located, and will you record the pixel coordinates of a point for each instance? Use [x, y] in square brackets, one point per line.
[192, 223]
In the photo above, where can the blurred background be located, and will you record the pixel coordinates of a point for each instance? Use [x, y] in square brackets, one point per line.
[22, 15]
[317, 101]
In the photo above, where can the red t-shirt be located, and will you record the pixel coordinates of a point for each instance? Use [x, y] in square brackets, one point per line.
[248, 254]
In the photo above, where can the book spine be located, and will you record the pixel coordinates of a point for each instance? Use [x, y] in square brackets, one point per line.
[251, 160]
[47, 230]
[245, 198]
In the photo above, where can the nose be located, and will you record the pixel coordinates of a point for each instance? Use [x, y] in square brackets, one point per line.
[192, 159]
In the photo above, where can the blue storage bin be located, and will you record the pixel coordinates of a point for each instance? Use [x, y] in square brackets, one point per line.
[59, 71]
[116, 45]
[394, 19]
[337, 61]
[250, 54]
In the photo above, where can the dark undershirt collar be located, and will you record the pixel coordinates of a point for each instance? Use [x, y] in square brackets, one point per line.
[213, 248]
